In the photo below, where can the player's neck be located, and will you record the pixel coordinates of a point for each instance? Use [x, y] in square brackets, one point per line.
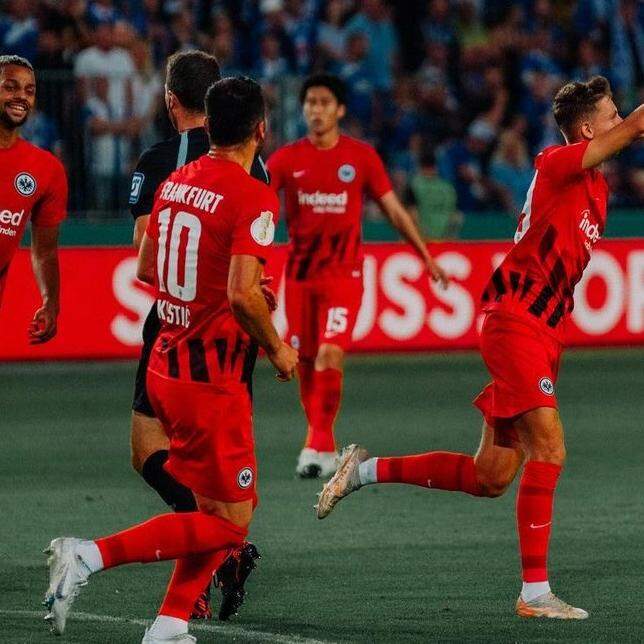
[326, 140]
[8, 137]
[241, 155]
[189, 122]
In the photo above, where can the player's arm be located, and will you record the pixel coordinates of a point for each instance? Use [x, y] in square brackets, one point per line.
[145, 263]
[606, 145]
[404, 223]
[44, 260]
[140, 226]
[249, 307]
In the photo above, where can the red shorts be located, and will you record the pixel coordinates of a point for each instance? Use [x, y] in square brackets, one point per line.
[212, 447]
[322, 311]
[523, 362]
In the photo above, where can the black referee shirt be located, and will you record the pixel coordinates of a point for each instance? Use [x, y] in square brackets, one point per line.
[158, 161]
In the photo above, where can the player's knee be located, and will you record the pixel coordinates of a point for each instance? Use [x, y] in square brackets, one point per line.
[555, 454]
[330, 356]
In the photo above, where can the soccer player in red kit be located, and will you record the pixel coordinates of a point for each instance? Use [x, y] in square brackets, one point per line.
[526, 304]
[324, 177]
[33, 186]
[207, 239]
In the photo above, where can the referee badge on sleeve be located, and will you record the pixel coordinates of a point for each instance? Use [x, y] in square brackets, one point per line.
[137, 183]
[262, 229]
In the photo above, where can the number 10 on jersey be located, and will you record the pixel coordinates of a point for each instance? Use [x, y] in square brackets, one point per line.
[178, 254]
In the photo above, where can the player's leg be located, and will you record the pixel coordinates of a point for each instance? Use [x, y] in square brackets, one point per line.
[542, 436]
[487, 474]
[191, 573]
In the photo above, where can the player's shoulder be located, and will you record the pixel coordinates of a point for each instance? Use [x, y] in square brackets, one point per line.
[40, 155]
[259, 190]
[357, 144]
[162, 154]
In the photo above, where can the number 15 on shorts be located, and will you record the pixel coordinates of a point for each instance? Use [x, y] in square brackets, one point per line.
[336, 321]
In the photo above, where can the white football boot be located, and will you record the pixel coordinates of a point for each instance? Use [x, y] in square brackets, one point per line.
[328, 463]
[68, 573]
[308, 464]
[549, 605]
[181, 638]
[344, 481]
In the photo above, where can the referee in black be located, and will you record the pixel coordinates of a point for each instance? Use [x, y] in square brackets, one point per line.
[188, 77]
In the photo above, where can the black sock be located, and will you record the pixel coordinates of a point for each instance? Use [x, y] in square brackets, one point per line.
[177, 496]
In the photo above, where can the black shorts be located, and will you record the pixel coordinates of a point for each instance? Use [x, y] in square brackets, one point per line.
[141, 403]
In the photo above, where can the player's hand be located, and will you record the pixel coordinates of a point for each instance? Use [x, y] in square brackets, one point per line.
[285, 360]
[437, 274]
[43, 326]
[268, 293]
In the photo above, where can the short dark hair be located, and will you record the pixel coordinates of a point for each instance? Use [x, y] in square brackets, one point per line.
[234, 107]
[189, 74]
[15, 60]
[334, 84]
[576, 101]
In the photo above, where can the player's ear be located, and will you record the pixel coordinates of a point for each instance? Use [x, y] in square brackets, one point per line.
[260, 132]
[342, 111]
[587, 131]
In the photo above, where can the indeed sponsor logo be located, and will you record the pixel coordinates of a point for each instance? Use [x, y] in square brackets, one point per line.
[324, 201]
[12, 219]
[590, 230]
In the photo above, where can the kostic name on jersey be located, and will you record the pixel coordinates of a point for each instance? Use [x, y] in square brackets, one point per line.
[324, 201]
[13, 219]
[173, 313]
[187, 195]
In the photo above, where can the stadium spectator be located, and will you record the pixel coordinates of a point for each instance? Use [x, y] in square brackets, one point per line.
[41, 130]
[147, 87]
[432, 201]
[271, 65]
[375, 23]
[100, 11]
[108, 150]
[105, 60]
[355, 73]
[19, 30]
[331, 35]
[627, 51]
[512, 170]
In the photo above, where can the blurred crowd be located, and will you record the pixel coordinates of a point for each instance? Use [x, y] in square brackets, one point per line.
[455, 94]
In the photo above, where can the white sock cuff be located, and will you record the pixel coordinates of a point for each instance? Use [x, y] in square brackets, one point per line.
[532, 590]
[90, 554]
[368, 471]
[165, 627]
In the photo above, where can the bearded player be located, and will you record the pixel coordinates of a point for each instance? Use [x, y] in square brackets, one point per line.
[207, 239]
[526, 303]
[33, 186]
[189, 74]
[323, 177]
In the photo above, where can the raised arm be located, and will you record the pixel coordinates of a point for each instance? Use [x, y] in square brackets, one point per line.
[44, 260]
[251, 312]
[606, 145]
[403, 222]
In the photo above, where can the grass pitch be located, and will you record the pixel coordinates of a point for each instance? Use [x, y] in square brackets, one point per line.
[391, 564]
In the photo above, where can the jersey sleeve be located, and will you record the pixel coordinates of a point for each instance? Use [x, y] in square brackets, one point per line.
[149, 174]
[564, 163]
[51, 209]
[254, 230]
[276, 169]
[377, 180]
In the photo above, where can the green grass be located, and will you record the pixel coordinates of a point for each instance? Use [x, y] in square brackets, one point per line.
[393, 563]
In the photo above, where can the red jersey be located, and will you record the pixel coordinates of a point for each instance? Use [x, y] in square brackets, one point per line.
[32, 184]
[563, 218]
[204, 213]
[323, 193]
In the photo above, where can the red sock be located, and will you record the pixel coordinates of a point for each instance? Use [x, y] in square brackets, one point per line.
[438, 470]
[170, 536]
[534, 517]
[306, 370]
[325, 403]
[191, 575]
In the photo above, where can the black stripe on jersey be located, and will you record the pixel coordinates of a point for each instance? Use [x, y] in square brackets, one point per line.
[343, 246]
[547, 242]
[515, 280]
[541, 302]
[499, 284]
[557, 314]
[221, 344]
[239, 346]
[173, 363]
[303, 268]
[249, 366]
[197, 360]
[333, 243]
[527, 285]
[486, 296]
